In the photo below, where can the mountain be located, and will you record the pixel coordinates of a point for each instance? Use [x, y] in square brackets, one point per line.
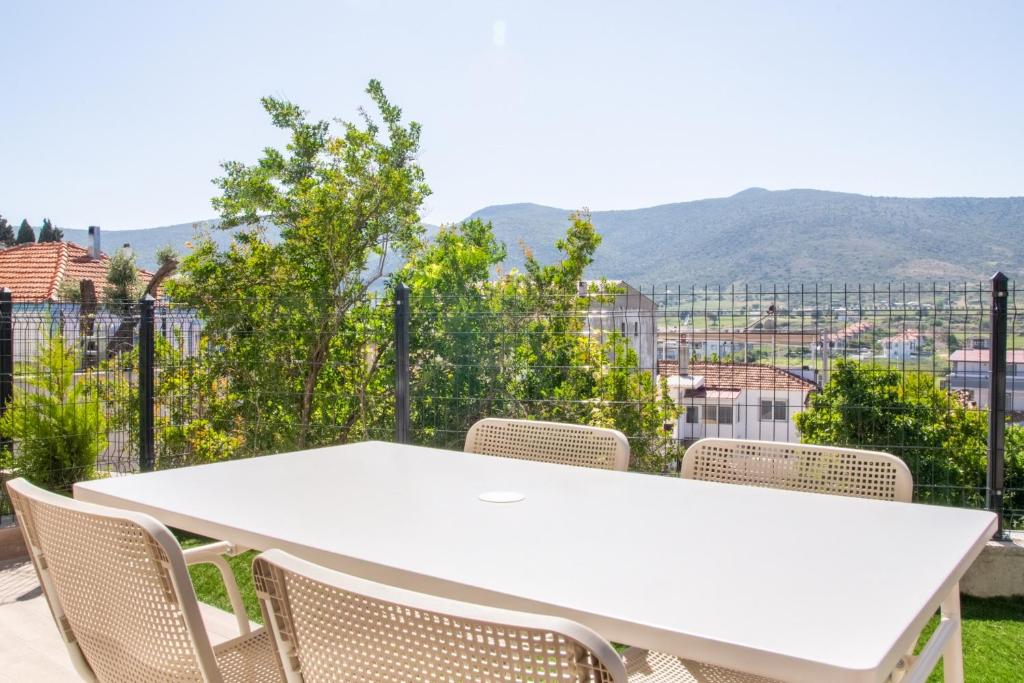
[755, 236]
[145, 242]
[789, 236]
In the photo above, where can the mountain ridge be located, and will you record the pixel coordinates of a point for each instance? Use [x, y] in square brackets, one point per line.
[753, 236]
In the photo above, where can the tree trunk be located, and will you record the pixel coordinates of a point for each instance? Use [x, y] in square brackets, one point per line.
[124, 336]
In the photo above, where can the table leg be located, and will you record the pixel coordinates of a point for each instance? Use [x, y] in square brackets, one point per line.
[953, 653]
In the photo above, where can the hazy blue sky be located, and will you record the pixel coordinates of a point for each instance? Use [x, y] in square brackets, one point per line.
[119, 113]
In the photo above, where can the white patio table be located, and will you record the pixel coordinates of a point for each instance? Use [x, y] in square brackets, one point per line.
[797, 586]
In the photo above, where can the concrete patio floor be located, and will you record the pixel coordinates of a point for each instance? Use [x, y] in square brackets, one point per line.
[30, 646]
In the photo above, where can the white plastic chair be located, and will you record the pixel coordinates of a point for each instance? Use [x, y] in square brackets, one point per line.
[799, 467]
[118, 587]
[330, 627]
[803, 467]
[554, 442]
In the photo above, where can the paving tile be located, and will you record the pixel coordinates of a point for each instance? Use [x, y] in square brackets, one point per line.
[31, 648]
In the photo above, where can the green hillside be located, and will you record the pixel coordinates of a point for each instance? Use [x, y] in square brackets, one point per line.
[789, 236]
[755, 236]
[146, 241]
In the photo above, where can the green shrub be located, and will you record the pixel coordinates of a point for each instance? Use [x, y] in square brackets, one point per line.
[56, 420]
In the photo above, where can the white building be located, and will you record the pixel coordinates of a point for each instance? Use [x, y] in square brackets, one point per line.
[627, 311]
[709, 346]
[739, 400]
[901, 346]
[970, 373]
[842, 341]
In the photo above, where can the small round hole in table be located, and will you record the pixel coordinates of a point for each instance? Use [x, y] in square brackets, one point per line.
[501, 496]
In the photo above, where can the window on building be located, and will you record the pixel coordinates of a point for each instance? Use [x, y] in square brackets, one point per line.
[622, 327]
[720, 415]
[774, 410]
[636, 329]
[668, 350]
[692, 415]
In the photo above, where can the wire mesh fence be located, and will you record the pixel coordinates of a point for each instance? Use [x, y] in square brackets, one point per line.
[904, 369]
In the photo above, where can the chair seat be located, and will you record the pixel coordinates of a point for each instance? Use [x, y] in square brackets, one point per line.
[249, 658]
[648, 666]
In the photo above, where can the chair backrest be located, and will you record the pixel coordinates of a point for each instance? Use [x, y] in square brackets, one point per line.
[556, 442]
[330, 627]
[799, 467]
[118, 588]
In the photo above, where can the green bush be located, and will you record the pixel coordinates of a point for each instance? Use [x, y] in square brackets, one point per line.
[56, 420]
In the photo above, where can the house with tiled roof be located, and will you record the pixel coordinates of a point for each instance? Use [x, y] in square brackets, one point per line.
[970, 376]
[39, 272]
[901, 346]
[739, 400]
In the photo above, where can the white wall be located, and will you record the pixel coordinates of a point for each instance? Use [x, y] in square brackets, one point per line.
[747, 423]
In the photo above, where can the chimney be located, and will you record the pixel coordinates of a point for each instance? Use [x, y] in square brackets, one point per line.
[684, 355]
[94, 248]
[127, 248]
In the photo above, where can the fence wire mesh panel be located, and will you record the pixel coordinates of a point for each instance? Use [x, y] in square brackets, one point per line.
[904, 369]
[257, 381]
[230, 386]
[1013, 458]
[897, 368]
[68, 419]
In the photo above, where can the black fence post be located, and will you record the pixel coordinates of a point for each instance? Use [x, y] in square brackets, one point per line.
[402, 420]
[6, 359]
[997, 401]
[146, 381]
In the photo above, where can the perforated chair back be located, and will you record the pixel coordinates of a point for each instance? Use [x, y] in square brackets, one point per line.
[556, 442]
[335, 628]
[799, 467]
[118, 588]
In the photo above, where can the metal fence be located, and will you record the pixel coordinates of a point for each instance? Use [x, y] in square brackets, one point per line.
[919, 371]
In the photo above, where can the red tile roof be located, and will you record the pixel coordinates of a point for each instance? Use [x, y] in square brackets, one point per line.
[35, 272]
[906, 335]
[749, 376]
[851, 331]
[982, 356]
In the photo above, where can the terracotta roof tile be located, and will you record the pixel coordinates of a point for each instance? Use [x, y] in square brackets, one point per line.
[982, 356]
[35, 272]
[906, 335]
[851, 331]
[749, 376]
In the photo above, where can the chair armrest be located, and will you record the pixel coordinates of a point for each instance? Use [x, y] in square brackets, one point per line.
[214, 553]
[202, 553]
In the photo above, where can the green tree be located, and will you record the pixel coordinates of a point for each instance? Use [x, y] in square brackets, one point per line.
[58, 425]
[518, 345]
[343, 202]
[25, 233]
[299, 351]
[166, 254]
[455, 334]
[122, 289]
[1013, 501]
[49, 233]
[875, 407]
[6, 233]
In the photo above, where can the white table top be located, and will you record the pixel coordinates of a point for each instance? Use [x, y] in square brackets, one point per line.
[821, 588]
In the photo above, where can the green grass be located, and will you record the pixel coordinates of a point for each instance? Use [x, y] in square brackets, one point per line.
[993, 640]
[993, 628]
[210, 587]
